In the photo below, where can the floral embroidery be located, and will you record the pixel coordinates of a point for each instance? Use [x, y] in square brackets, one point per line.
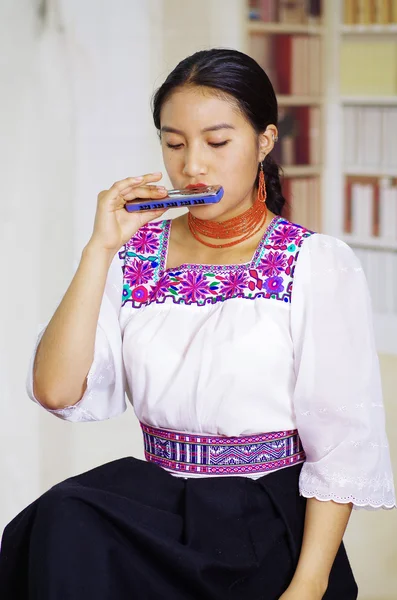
[161, 287]
[126, 292]
[195, 287]
[146, 241]
[274, 263]
[234, 285]
[269, 274]
[284, 234]
[138, 272]
[140, 294]
[274, 285]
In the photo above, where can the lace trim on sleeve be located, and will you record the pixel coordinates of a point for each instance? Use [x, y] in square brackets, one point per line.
[360, 489]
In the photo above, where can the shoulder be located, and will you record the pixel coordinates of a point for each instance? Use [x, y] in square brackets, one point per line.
[314, 252]
[327, 263]
[330, 251]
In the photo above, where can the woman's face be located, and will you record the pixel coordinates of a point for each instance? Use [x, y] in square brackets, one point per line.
[206, 139]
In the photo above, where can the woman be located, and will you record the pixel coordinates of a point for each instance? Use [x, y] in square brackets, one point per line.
[232, 330]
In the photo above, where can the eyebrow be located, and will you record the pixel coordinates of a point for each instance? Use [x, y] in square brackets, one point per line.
[166, 129]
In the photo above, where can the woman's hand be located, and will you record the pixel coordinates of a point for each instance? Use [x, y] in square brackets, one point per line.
[113, 225]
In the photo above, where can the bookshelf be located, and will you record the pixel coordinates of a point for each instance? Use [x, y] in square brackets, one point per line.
[360, 195]
[348, 180]
[286, 39]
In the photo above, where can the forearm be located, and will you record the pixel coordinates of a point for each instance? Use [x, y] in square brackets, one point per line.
[66, 351]
[325, 525]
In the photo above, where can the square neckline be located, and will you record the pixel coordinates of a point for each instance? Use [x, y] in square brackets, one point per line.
[213, 267]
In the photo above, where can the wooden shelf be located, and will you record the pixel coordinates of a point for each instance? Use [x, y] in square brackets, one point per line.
[375, 30]
[370, 100]
[370, 171]
[299, 100]
[302, 170]
[280, 28]
[371, 243]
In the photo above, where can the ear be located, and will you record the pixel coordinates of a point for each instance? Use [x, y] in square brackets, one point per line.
[267, 140]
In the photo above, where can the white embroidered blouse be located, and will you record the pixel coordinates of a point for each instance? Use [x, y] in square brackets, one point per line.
[284, 342]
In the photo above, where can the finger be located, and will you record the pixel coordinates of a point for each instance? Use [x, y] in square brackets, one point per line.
[145, 192]
[136, 181]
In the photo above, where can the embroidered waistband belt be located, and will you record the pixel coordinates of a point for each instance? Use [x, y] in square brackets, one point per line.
[218, 455]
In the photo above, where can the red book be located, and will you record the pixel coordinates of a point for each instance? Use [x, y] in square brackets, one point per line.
[283, 63]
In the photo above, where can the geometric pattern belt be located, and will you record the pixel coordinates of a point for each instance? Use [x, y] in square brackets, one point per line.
[222, 455]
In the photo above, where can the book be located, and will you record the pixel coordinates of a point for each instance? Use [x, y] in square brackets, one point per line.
[368, 140]
[349, 12]
[268, 10]
[350, 132]
[382, 12]
[393, 15]
[368, 68]
[292, 11]
[388, 211]
[362, 197]
[283, 63]
[315, 146]
[298, 64]
[364, 12]
[314, 11]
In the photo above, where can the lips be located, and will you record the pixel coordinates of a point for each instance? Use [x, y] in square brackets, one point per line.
[195, 185]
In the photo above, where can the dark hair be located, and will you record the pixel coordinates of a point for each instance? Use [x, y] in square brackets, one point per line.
[240, 76]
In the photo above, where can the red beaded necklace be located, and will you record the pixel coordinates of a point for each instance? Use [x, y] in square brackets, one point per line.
[241, 227]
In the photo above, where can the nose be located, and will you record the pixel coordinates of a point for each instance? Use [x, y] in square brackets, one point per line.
[194, 164]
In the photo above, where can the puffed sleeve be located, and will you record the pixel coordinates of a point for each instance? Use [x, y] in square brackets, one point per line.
[338, 394]
[105, 393]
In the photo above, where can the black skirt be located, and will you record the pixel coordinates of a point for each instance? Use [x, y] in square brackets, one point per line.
[129, 529]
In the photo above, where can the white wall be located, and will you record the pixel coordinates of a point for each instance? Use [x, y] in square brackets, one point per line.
[75, 114]
[74, 117]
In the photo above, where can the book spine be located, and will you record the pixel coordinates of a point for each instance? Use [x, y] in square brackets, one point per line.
[314, 11]
[292, 11]
[268, 12]
[388, 211]
[302, 137]
[283, 62]
[393, 15]
[350, 13]
[347, 224]
[315, 146]
[356, 209]
[364, 12]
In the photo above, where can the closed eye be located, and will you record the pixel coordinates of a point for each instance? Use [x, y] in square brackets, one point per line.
[212, 144]
[219, 144]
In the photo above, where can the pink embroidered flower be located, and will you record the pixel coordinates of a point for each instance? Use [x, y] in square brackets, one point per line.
[138, 272]
[285, 234]
[273, 263]
[145, 242]
[194, 287]
[160, 289]
[139, 294]
[234, 284]
[274, 285]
